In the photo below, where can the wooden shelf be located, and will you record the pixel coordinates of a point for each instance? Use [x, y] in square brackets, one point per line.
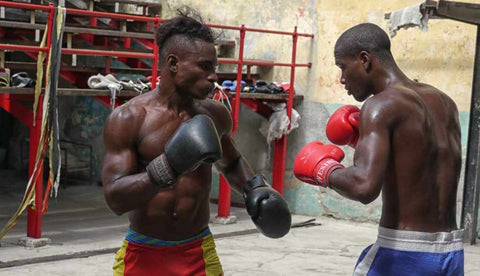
[21, 25]
[264, 97]
[69, 92]
[254, 61]
[130, 93]
[131, 2]
[19, 66]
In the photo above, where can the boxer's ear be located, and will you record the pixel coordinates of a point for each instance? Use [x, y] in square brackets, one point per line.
[172, 61]
[366, 60]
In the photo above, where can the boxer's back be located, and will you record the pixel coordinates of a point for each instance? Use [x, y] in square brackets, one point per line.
[420, 189]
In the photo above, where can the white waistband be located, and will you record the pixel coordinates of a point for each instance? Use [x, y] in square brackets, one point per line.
[439, 242]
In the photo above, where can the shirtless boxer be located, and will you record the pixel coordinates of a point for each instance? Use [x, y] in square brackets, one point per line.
[159, 151]
[407, 146]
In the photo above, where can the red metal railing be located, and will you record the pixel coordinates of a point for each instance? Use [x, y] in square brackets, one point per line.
[34, 225]
[224, 188]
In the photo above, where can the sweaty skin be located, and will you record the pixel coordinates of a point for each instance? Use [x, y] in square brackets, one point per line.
[409, 147]
[136, 133]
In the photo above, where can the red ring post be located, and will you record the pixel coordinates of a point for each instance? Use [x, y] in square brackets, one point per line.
[236, 109]
[280, 150]
[155, 54]
[224, 190]
[34, 217]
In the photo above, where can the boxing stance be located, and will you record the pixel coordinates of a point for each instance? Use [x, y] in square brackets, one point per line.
[159, 151]
[407, 146]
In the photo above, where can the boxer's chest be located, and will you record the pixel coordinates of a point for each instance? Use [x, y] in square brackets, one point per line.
[154, 135]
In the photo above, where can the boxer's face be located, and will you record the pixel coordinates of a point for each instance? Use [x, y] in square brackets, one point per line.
[353, 76]
[196, 68]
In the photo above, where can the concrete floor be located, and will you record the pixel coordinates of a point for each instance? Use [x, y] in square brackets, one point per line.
[85, 234]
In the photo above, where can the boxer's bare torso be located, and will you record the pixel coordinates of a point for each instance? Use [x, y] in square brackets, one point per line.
[409, 147]
[137, 133]
[424, 160]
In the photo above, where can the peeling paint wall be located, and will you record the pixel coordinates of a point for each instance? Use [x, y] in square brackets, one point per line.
[442, 57]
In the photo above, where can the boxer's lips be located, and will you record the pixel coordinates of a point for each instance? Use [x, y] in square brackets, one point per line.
[208, 90]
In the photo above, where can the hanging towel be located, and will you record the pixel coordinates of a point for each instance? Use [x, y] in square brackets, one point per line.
[407, 18]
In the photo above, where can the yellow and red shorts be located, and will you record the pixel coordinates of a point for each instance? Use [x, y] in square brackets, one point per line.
[142, 255]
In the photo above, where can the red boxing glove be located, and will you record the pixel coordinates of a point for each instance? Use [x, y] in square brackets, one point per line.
[316, 161]
[342, 127]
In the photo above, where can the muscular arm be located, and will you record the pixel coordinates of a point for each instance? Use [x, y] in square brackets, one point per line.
[232, 164]
[124, 188]
[363, 181]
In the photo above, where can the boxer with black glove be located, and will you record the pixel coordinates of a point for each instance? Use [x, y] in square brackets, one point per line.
[268, 208]
[195, 141]
[159, 150]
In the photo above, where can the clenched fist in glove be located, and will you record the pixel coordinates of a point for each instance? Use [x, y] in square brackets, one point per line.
[194, 142]
[268, 208]
[315, 162]
[342, 127]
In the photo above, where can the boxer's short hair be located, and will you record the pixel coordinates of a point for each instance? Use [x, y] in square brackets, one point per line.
[181, 30]
[364, 37]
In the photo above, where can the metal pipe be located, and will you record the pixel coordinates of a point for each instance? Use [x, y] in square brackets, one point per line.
[240, 63]
[471, 188]
[277, 32]
[106, 53]
[24, 48]
[49, 37]
[112, 15]
[292, 76]
[264, 63]
[155, 55]
[24, 6]
[218, 26]
[224, 195]
[34, 215]
[268, 63]
[224, 191]
[280, 150]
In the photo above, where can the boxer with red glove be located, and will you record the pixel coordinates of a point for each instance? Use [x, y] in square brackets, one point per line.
[316, 161]
[342, 127]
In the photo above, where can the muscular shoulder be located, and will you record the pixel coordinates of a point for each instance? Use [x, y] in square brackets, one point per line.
[438, 101]
[219, 114]
[383, 109]
[123, 123]
[446, 100]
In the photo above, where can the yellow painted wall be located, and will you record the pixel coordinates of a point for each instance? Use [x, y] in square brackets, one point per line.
[443, 56]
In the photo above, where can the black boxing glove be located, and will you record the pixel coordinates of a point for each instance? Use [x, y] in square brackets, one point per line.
[195, 141]
[267, 208]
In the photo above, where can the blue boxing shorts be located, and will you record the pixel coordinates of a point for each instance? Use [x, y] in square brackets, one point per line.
[398, 252]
